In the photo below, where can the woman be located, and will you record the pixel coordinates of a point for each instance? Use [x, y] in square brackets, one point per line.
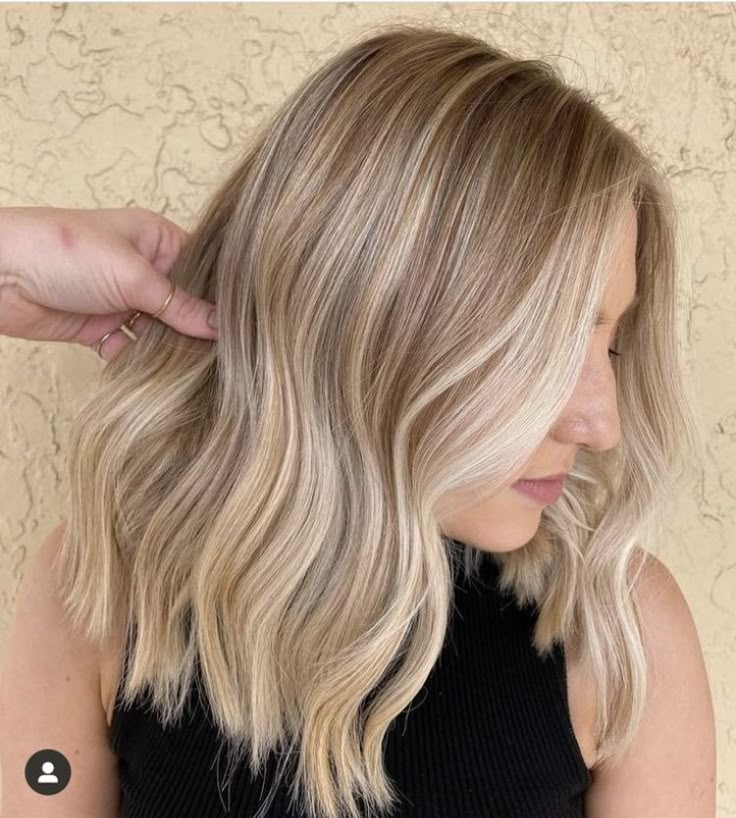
[315, 541]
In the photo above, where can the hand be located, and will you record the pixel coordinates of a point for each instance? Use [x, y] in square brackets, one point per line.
[74, 275]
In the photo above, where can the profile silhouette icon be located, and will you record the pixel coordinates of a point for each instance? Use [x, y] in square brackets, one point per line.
[48, 771]
[47, 777]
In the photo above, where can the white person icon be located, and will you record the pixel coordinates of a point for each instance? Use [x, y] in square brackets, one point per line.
[48, 777]
[48, 772]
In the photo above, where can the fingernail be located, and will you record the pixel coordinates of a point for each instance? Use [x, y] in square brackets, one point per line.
[212, 319]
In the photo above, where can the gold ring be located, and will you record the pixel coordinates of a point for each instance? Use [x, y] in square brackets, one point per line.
[127, 326]
[166, 303]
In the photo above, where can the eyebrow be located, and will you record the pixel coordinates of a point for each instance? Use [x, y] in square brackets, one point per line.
[602, 318]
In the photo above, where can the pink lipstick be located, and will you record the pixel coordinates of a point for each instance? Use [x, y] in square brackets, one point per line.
[542, 491]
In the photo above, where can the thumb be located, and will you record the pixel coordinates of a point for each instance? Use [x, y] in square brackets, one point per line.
[184, 312]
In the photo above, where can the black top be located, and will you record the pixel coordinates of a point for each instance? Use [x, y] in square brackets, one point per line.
[488, 736]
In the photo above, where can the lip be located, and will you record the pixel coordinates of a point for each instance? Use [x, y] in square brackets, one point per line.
[541, 491]
[559, 476]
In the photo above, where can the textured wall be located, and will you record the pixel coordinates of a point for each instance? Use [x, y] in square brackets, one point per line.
[110, 105]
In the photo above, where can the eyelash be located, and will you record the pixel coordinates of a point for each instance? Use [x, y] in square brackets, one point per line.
[613, 352]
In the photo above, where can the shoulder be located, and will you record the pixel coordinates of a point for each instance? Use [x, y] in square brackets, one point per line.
[669, 630]
[50, 696]
[41, 614]
[42, 619]
[654, 582]
[671, 762]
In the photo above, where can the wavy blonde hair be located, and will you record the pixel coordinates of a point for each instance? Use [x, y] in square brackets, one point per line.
[407, 264]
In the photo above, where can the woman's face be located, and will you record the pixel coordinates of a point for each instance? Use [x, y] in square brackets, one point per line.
[508, 519]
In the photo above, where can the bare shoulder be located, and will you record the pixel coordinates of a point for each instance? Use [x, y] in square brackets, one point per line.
[50, 697]
[39, 600]
[669, 769]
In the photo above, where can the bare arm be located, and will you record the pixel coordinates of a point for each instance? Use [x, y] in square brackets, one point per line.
[50, 698]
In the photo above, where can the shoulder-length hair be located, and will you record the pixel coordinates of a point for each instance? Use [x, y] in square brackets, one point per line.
[407, 265]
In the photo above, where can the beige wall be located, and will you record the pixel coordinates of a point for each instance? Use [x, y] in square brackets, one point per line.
[110, 105]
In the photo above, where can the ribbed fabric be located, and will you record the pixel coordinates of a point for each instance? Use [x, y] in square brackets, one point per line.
[488, 736]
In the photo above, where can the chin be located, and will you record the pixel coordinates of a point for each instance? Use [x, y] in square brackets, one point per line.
[511, 541]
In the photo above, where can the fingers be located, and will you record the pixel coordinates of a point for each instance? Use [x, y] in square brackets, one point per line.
[154, 236]
[146, 285]
[175, 307]
[184, 312]
[170, 246]
[117, 339]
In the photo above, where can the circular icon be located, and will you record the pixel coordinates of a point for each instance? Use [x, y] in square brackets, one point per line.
[48, 772]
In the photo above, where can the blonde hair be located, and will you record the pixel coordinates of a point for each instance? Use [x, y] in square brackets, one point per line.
[407, 264]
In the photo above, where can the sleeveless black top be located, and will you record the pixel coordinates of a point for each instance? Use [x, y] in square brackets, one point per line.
[488, 736]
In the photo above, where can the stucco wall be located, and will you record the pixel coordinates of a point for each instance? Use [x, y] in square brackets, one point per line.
[111, 105]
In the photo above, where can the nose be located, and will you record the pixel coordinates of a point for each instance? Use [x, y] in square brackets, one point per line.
[590, 418]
